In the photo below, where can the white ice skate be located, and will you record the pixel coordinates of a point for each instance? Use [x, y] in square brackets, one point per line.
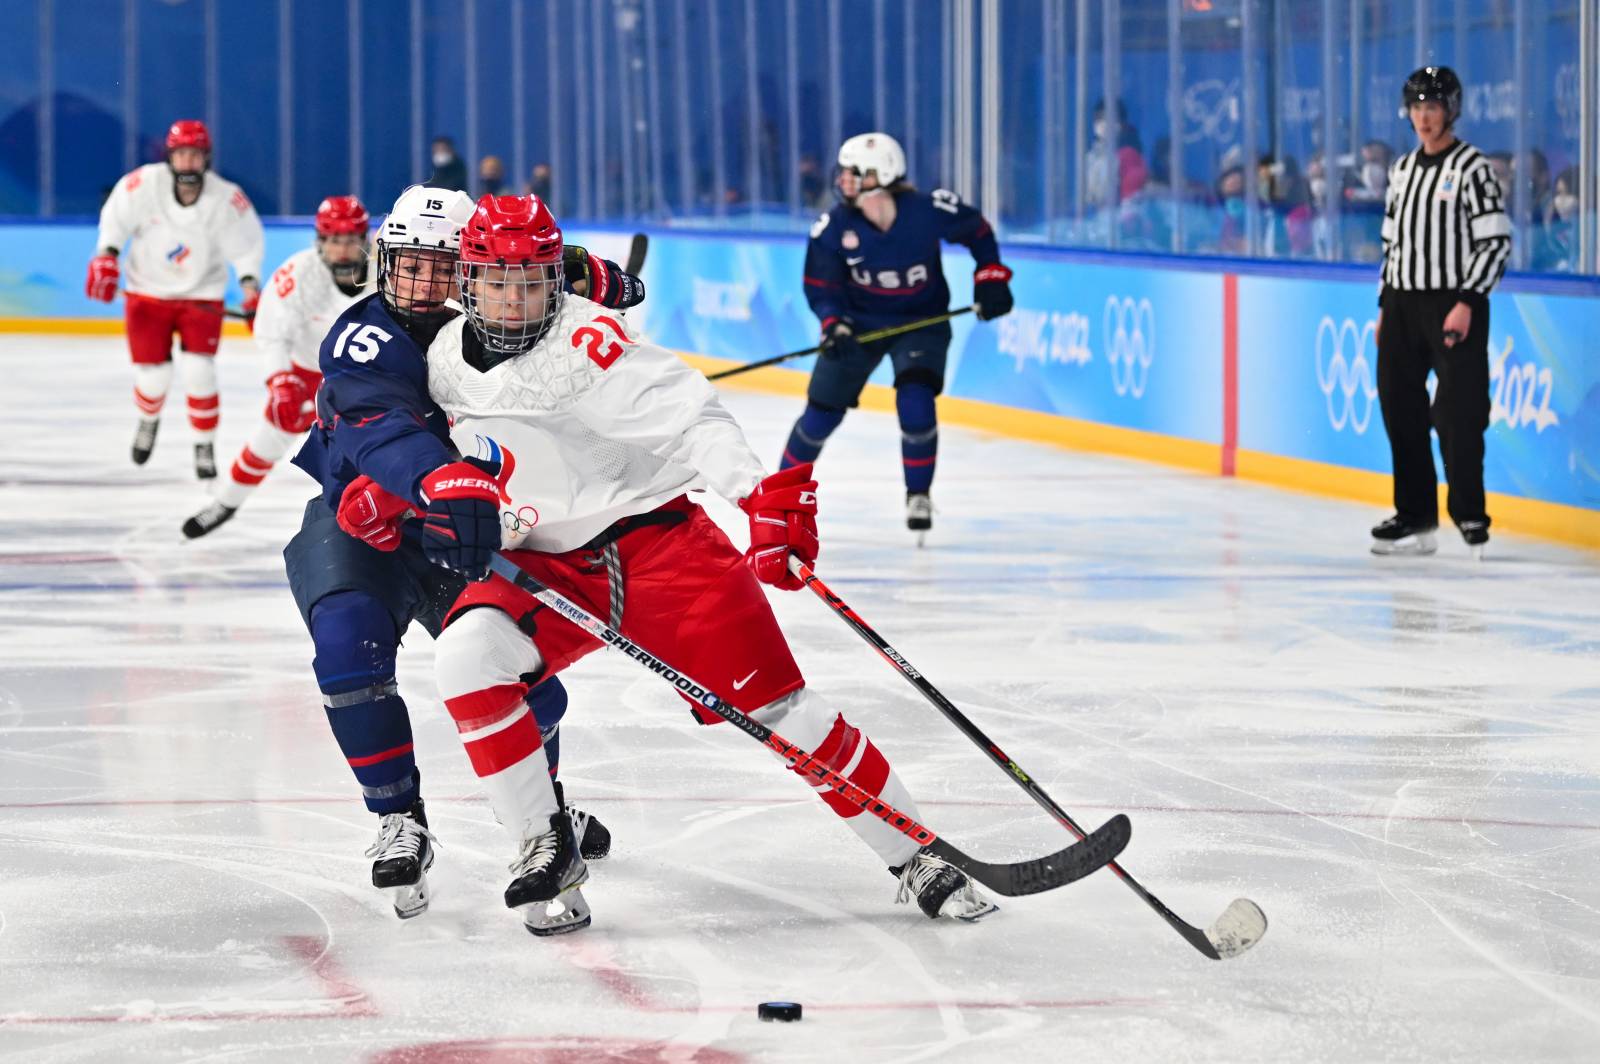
[404, 853]
[919, 514]
[941, 889]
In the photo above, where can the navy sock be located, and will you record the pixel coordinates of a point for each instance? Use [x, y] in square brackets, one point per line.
[356, 642]
[816, 424]
[919, 435]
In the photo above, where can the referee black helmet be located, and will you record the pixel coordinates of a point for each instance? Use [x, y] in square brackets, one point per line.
[1433, 83]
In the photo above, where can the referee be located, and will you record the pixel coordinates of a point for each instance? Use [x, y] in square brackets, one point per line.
[1446, 238]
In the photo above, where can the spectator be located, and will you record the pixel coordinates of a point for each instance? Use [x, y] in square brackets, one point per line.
[539, 184]
[491, 176]
[1371, 181]
[1114, 167]
[448, 169]
[1500, 163]
[813, 183]
[1555, 245]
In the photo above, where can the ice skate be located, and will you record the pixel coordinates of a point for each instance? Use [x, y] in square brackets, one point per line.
[144, 439]
[941, 889]
[208, 519]
[545, 881]
[404, 853]
[1476, 533]
[919, 514]
[205, 461]
[594, 840]
[1399, 536]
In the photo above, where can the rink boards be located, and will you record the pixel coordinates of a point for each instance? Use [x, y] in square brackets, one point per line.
[1259, 370]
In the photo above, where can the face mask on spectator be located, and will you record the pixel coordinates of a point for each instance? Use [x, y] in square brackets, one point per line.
[1319, 185]
[1374, 176]
[1101, 129]
[442, 157]
[1565, 206]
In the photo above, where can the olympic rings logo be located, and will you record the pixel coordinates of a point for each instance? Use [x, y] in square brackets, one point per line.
[524, 519]
[1130, 343]
[1345, 373]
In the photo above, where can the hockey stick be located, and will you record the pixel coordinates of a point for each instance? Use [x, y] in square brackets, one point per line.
[1239, 927]
[864, 338]
[1012, 880]
[636, 253]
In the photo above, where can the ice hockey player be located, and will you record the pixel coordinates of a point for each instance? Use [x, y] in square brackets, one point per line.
[873, 263]
[358, 592]
[302, 299]
[587, 442]
[187, 225]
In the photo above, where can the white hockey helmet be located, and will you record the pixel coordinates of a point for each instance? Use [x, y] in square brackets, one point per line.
[874, 152]
[424, 219]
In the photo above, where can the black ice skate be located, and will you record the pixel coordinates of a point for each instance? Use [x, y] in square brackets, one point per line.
[545, 879]
[1476, 533]
[144, 440]
[404, 852]
[919, 514]
[941, 889]
[1399, 536]
[594, 840]
[205, 461]
[208, 519]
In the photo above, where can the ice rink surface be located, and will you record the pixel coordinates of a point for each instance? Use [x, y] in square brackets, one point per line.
[1398, 759]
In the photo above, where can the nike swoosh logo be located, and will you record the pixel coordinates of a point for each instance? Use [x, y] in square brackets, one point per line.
[738, 685]
[857, 261]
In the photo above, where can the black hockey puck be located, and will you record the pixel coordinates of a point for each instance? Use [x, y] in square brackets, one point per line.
[782, 1011]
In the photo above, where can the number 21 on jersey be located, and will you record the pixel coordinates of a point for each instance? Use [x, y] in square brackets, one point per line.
[363, 346]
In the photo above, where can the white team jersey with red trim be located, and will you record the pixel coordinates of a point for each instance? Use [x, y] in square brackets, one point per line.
[299, 304]
[169, 251]
[590, 426]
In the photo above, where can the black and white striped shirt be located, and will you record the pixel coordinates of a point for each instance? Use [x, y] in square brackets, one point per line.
[1445, 225]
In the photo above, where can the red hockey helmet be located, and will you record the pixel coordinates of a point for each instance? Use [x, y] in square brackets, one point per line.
[341, 214]
[189, 133]
[342, 239]
[510, 273]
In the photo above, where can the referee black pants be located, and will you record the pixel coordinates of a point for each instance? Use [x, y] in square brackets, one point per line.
[1410, 343]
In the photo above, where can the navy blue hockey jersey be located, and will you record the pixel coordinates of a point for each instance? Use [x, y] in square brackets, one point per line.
[874, 279]
[374, 414]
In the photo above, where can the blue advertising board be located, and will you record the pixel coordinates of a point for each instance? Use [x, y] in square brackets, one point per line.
[1308, 384]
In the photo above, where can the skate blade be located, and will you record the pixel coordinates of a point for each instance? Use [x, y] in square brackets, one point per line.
[1411, 546]
[922, 539]
[561, 915]
[971, 916]
[411, 900]
[1476, 552]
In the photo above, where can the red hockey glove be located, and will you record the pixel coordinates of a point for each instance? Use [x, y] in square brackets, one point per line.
[783, 521]
[291, 399]
[371, 514]
[103, 276]
[991, 290]
[462, 526]
[252, 300]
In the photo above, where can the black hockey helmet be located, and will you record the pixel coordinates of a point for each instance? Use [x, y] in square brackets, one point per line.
[1433, 83]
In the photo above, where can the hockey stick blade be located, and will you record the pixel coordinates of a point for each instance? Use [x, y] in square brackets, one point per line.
[1239, 927]
[636, 253]
[1040, 874]
[1010, 879]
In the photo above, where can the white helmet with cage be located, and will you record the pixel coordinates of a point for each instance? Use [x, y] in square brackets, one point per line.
[876, 153]
[423, 228]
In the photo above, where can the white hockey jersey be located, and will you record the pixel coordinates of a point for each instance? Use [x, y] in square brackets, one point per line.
[590, 426]
[298, 307]
[179, 252]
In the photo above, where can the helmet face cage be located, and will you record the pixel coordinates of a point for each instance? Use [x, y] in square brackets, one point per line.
[347, 272]
[510, 307]
[1435, 84]
[414, 281]
[189, 133]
